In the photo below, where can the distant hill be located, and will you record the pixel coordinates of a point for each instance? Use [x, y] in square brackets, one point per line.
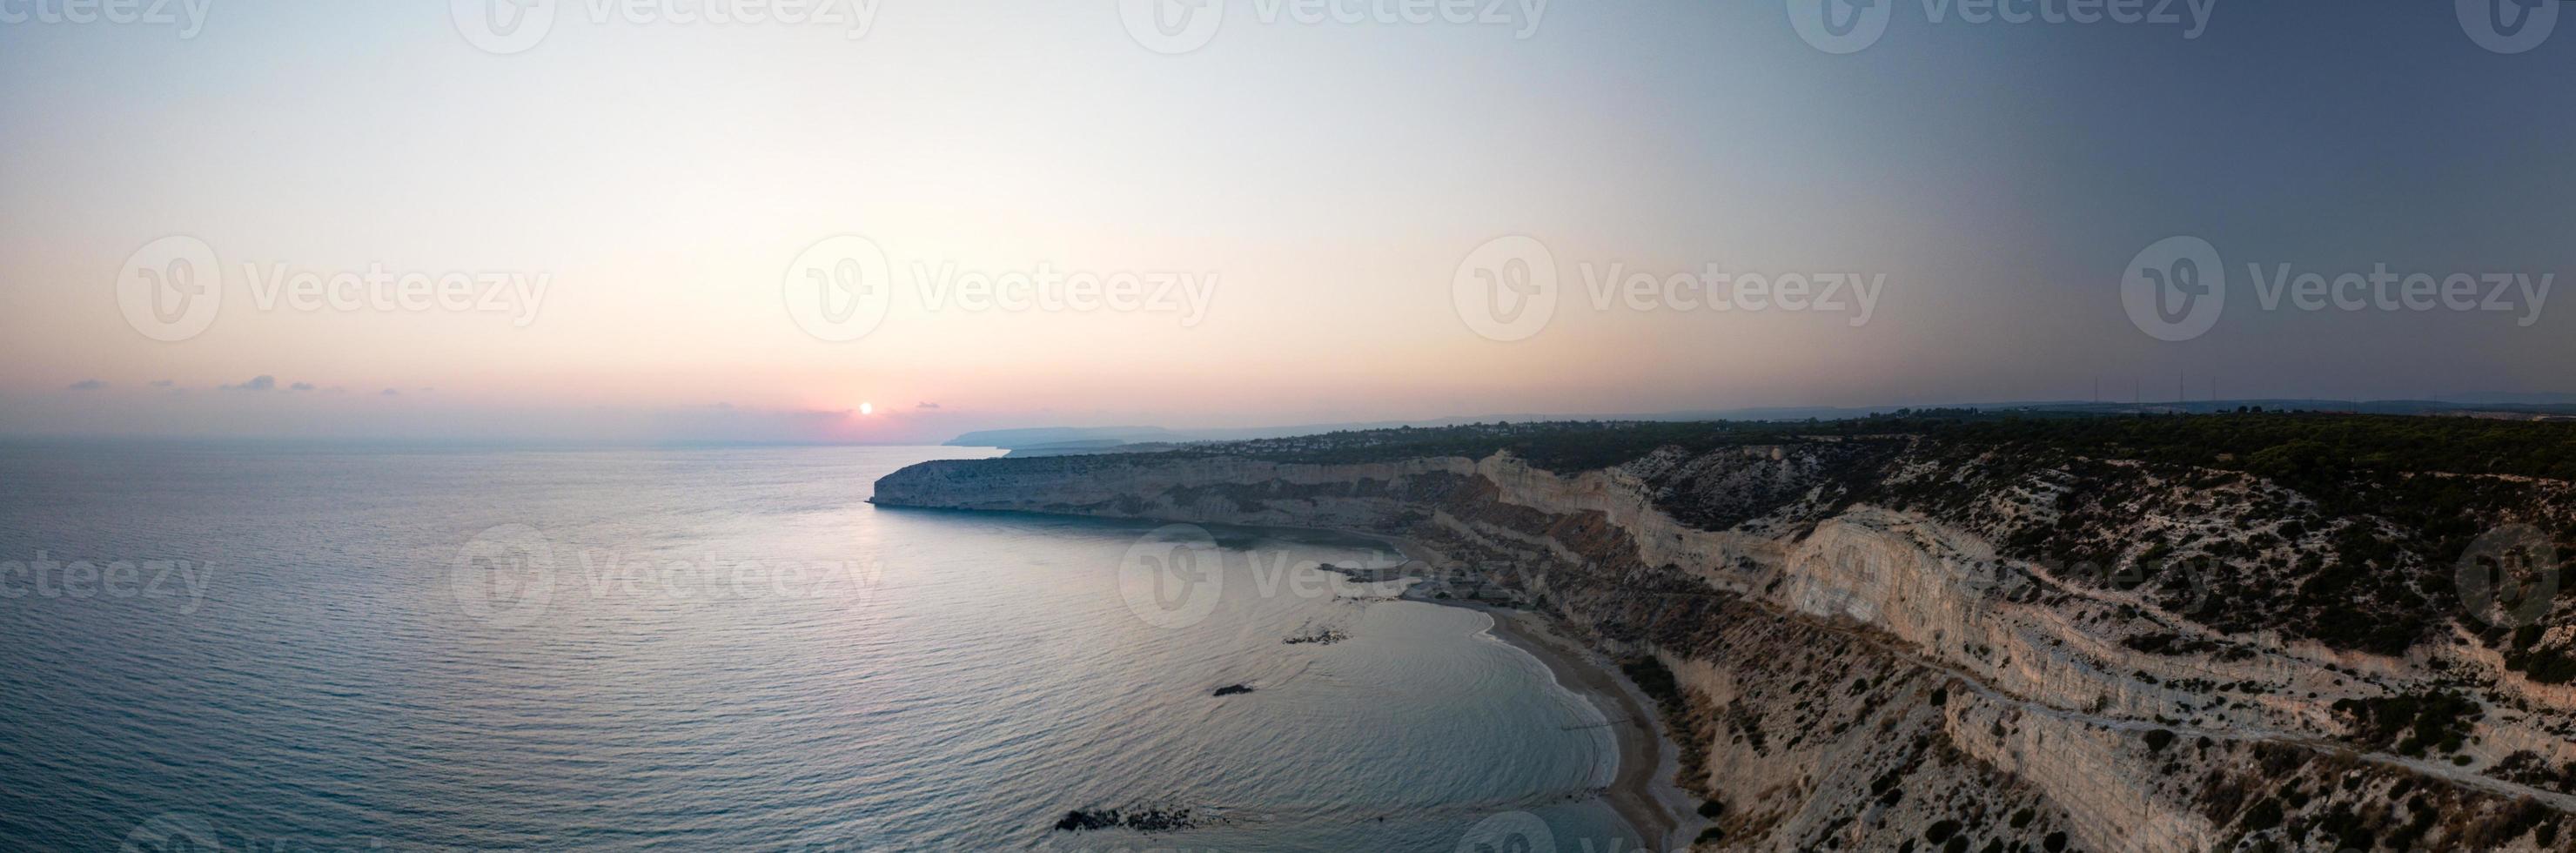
[1014, 439]
[1038, 441]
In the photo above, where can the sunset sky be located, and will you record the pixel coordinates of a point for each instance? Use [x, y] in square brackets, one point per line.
[651, 183]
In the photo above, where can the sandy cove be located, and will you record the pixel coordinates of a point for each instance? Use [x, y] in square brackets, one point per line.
[1642, 790]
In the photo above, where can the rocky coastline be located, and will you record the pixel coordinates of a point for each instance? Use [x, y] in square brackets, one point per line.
[1842, 674]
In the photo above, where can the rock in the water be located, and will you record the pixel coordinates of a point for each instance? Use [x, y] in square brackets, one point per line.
[1142, 820]
[1320, 638]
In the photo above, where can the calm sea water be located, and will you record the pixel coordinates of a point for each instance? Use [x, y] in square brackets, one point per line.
[289, 649]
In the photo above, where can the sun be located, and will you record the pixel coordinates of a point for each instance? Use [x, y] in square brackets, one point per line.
[866, 408]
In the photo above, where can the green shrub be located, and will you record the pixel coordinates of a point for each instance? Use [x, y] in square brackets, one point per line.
[2158, 739]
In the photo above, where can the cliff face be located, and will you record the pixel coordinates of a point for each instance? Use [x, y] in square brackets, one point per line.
[1859, 677]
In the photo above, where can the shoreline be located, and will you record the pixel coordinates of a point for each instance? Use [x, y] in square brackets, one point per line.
[1641, 791]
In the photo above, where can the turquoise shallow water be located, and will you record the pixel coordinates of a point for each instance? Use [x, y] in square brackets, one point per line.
[288, 649]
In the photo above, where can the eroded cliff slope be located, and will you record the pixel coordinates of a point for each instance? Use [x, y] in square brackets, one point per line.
[1952, 641]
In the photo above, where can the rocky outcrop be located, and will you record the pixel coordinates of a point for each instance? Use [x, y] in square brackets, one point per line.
[1144, 820]
[1861, 677]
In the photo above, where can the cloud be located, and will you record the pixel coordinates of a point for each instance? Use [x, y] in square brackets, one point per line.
[301, 386]
[87, 385]
[392, 393]
[925, 405]
[161, 383]
[262, 382]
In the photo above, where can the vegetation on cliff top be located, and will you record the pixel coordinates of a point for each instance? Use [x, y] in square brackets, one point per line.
[2300, 450]
[2342, 528]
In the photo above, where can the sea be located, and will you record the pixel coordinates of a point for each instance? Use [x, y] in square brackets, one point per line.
[279, 647]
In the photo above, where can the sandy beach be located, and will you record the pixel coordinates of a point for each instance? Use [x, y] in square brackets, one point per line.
[1642, 791]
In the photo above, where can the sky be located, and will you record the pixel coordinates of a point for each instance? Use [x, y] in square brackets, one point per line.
[577, 220]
